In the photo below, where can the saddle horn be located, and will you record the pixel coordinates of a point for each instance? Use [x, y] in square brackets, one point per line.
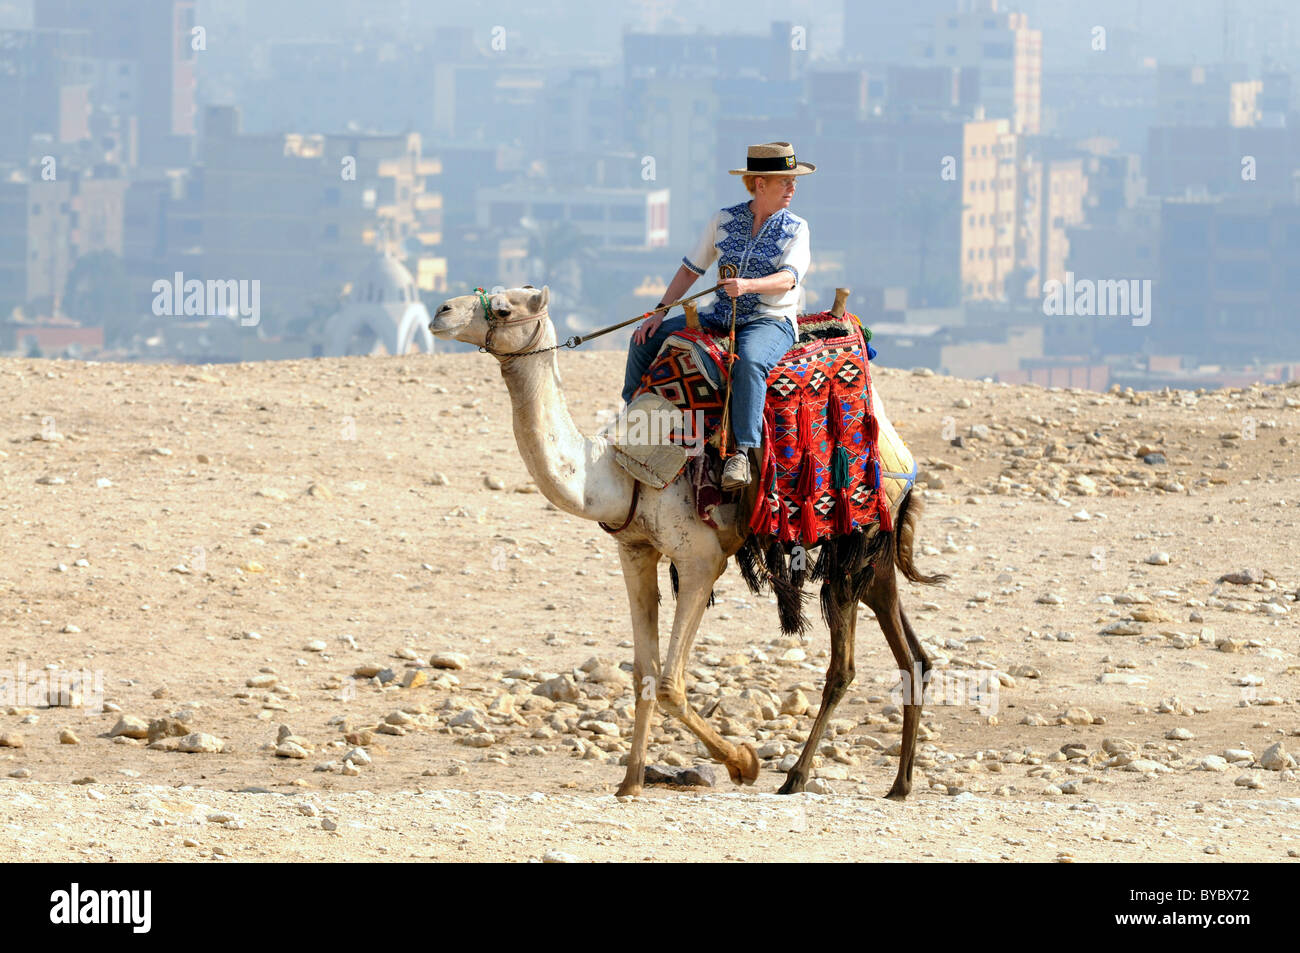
[841, 298]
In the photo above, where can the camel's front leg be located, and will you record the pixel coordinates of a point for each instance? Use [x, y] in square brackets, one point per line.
[640, 574]
[696, 580]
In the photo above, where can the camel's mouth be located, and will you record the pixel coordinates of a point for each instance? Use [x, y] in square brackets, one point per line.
[440, 329]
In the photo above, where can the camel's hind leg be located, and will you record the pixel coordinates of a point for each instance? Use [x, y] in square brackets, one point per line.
[882, 597]
[839, 676]
[921, 671]
[696, 579]
[640, 574]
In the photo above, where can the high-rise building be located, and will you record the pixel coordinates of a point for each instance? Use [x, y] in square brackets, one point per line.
[141, 56]
[43, 89]
[1007, 54]
[883, 32]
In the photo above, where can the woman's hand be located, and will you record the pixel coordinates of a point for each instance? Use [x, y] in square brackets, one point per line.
[735, 287]
[647, 328]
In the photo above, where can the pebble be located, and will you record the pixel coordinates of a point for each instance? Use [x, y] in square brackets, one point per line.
[68, 737]
[1076, 716]
[559, 857]
[1276, 758]
[11, 739]
[449, 660]
[795, 703]
[1158, 559]
[130, 726]
[199, 742]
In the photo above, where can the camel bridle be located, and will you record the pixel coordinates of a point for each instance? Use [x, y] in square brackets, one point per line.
[494, 322]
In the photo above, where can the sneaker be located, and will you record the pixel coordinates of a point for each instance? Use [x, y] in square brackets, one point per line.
[735, 474]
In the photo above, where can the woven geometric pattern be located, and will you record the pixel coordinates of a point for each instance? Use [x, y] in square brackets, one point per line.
[820, 473]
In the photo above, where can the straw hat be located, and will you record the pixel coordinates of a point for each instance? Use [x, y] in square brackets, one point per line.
[773, 158]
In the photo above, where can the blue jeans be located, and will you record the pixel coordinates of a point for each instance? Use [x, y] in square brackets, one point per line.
[759, 345]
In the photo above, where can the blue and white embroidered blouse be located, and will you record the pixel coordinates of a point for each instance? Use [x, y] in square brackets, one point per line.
[780, 245]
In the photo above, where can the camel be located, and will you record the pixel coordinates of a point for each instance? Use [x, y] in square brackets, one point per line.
[580, 476]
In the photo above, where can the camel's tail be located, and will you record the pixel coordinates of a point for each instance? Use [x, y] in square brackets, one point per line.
[909, 515]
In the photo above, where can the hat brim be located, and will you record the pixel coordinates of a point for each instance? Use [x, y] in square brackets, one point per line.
[802, 168]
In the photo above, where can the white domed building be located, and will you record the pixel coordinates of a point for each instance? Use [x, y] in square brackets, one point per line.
[383, 307]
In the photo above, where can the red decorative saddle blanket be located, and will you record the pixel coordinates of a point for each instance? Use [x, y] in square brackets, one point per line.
[820, 475]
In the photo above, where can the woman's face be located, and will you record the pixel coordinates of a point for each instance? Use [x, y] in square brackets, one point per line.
[775, 191]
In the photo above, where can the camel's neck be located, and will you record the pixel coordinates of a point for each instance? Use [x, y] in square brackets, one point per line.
[576, 473]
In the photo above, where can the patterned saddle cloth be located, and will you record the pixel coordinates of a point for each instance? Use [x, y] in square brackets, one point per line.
[820, 474]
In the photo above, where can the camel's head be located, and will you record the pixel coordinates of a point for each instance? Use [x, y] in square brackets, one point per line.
[515, 317]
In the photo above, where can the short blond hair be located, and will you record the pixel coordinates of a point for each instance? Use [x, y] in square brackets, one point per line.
[751, 183]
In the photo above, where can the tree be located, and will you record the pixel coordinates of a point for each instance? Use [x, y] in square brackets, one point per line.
[98, 292]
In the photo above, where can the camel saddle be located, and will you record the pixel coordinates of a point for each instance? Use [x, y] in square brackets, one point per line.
[819, 470]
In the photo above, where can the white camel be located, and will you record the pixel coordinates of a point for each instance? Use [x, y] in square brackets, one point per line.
[579, 474]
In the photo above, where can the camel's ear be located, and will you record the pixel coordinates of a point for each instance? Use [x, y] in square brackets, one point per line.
[530, 287]
[540, 299]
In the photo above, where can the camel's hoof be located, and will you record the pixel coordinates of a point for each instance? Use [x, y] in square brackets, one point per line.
[794, 784]
[898, 792]
[628, 790]
[744, 770]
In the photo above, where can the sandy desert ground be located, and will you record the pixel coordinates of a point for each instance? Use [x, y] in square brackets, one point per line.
[334, 579]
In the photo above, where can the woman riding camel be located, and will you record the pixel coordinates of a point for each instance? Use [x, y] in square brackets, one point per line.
[765, 246]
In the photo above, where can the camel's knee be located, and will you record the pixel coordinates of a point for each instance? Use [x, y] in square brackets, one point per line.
[844, 678]
[672, 696]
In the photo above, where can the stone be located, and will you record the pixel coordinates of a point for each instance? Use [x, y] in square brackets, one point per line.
[1158, 559]
[561, 688]
[559, 857]
[160, 728]
[1238, 754]
[414, 678]
[469, 718]
[818, 786]
[1276, 758]
[795, 703]
[1123, 678]
[607, 673]
[1076, 716]
[130, 726]
[11, 739]
[199, 742]
[290, 749]
[1179, 734]
[68, 737]
[1212, 762]
[449, 660]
